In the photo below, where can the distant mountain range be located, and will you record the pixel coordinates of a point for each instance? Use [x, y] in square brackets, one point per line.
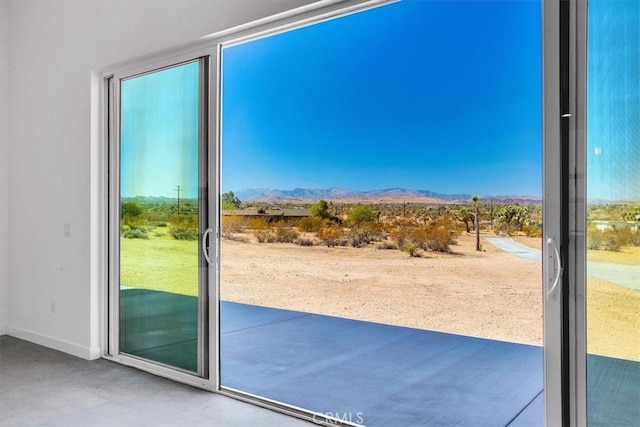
[391, 195]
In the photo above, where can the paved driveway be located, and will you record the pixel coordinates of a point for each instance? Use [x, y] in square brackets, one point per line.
[623, 275]
[507, 244]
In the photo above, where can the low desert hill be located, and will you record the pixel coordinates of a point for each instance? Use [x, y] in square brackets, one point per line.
[392, 195]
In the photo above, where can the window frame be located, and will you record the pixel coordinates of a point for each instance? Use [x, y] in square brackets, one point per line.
[578, 215]
[204, 378]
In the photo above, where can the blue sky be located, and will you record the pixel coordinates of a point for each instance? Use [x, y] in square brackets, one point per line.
[613, 101]
[432, 95]
[159, 133]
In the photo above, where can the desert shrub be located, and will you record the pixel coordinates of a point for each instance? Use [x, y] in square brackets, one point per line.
[284, 234]
[374, 231]
[135, 233]
[132, 215]
[532, 231]
[131, 209]
[499, 228]
[260, 228]
[231, 225]
[258, 224]
[434, 236]
[594, 238]
[612, 239]
[364, 233]
[611, 245]
[359, 214]
[440, 241]
[400, 231]
[303, 242]
[310, 224]
[184, 227]
[320, 210]
[387, 245]
[356, 241]
[341, 242]
[182, 232]
[627, 237]
[331, 234]
[264, 236]
[242, 239]
[278, 232]
[134, 222]
[607, 240]
[410, 248]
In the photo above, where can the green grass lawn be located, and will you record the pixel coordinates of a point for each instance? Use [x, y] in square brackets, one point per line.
[160, 263]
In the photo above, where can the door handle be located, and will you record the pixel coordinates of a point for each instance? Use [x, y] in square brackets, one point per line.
[205, 248]
[559, 268]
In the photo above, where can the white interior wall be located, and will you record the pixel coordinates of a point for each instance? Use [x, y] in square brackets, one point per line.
[53, 48]
[4, 164]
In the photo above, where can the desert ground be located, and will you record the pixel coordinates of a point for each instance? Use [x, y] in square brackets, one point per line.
[489, 294]
[486, 294]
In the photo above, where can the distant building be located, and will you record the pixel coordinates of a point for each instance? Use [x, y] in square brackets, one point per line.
[270, 214]
[615, 225]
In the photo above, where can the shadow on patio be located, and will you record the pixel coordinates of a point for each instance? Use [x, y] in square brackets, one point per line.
[376, 374]
[379, 374]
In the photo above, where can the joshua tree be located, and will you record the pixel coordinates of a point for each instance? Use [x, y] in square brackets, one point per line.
[475, 202]
[513, 214]
[464, 215]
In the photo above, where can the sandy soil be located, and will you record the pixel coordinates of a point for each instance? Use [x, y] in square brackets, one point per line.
[613, 320]
[488, 294]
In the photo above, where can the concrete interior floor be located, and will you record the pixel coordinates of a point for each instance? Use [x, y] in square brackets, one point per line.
[41, 386]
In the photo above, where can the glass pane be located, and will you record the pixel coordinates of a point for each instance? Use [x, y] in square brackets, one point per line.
[613, 213]
[160, 216]
[360, 278]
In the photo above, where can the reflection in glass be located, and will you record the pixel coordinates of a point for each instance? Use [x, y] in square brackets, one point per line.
[613, 213]
[159, 216]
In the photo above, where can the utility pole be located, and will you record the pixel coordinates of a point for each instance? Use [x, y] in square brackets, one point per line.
[178, 190]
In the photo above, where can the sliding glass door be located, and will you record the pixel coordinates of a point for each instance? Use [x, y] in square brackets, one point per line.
[613, 213]
[361, 280]
[159, 207]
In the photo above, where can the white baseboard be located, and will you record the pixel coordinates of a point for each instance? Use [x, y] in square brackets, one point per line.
[54, 343]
